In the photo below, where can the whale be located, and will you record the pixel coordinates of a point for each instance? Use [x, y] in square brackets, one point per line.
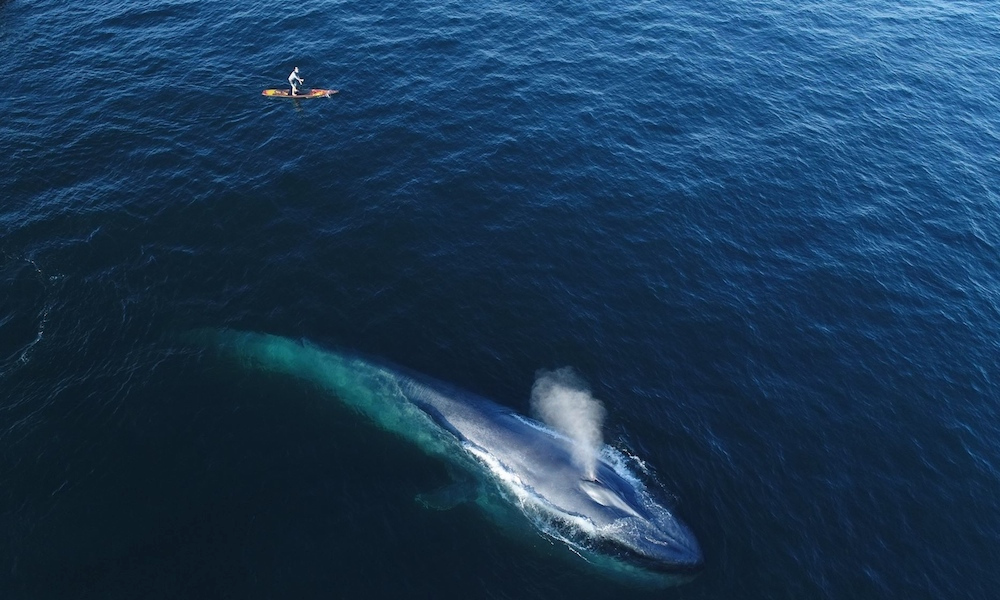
[520, 472]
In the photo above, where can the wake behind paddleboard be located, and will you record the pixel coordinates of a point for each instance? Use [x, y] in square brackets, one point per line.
[286, 93]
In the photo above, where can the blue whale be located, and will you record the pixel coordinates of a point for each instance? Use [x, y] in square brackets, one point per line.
[524, 472]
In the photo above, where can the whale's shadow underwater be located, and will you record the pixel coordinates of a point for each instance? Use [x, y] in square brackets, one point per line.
[521, 473]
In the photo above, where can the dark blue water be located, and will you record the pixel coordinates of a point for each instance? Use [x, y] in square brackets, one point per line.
[767, 234]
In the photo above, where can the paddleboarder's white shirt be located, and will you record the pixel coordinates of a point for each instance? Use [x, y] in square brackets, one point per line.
[293, 78]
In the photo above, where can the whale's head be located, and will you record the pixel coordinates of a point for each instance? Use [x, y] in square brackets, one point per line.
[610, 516]
[631, 527]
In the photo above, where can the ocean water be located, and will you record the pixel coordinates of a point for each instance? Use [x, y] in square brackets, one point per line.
[766, 233]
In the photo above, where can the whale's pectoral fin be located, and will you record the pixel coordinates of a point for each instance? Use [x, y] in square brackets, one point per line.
[449, 496]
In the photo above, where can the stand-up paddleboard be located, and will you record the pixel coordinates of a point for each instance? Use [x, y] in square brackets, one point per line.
[286, 93]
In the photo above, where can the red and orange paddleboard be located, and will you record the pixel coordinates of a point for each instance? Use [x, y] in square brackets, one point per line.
[286, 93]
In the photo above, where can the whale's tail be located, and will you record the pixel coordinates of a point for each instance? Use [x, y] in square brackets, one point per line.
[377, 393]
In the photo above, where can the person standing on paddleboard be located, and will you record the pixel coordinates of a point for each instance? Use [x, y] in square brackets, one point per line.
[292, 78]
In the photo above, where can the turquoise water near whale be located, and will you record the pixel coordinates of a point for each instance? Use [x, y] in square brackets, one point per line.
[767, 234]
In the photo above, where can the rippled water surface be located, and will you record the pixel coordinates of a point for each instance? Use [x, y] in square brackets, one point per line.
[766, 233]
